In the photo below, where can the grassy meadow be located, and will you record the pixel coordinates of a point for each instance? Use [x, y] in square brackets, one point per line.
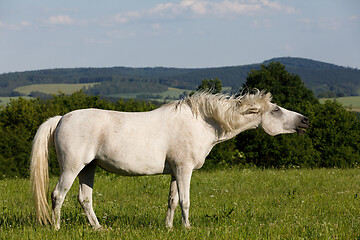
[47, 89]
[231, 204]
[6, 100]
[352, 103]
[53, 88]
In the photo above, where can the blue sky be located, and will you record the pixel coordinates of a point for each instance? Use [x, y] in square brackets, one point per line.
[41, 34]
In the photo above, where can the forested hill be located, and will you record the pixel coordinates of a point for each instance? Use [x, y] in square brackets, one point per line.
[326, 80]
[323, 78]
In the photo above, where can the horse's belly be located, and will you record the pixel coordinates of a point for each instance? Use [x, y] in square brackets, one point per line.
[135, 166]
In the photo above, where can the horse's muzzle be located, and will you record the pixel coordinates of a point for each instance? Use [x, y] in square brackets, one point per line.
[303, 125]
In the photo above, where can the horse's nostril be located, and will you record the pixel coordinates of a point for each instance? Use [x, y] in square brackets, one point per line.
[305, 120]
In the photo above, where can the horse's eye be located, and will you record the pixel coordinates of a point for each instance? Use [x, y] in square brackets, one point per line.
[276, 111]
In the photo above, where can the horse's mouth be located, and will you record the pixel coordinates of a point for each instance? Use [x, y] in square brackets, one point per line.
[303, 125]
[301, 130]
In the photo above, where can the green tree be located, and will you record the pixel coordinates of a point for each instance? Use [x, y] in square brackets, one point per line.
[212, 85]
[14, 154]
[287, 89]
[335, 134]
[332, 139]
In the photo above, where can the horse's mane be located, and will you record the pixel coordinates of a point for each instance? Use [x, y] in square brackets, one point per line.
[226, 110]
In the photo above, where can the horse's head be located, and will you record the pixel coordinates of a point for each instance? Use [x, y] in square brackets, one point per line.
[277, 120]
[236, 114]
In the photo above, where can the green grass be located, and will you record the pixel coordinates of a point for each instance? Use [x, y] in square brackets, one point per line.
[348, 102]
[53, 88]
[231, 204]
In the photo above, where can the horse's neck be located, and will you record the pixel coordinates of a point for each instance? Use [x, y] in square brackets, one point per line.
[250, 123]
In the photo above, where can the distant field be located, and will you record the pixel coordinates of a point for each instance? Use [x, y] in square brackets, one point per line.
[348, 102]
[6, 100]
[53, 88]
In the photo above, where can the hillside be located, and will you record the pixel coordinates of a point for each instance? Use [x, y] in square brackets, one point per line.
[326, 80]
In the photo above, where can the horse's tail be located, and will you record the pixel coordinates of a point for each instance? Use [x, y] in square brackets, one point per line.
[39, 174]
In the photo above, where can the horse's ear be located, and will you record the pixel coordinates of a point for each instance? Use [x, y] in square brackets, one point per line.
[252, 110]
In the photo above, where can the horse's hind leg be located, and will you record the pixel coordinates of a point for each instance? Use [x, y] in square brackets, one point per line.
[67, 178]
[172, 202]
[86, 183]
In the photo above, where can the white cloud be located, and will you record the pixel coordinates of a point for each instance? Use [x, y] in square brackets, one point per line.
[60, 20]
[354, 17]
[25, 23]
[200, 8]
[321, 24]
[15, 26]
[329, 24]
[266, 23]
[64, 20]
[156, 26]
[277, 6]
[118, 34]
[305, 20]
[287, 47]
[125, 17]
[94, 41]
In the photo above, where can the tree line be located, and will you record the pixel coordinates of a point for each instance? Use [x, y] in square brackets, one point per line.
[333, 139]
[326, 80]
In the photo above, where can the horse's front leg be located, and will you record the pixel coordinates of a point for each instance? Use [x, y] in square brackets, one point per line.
[183, 178]
[172, 202]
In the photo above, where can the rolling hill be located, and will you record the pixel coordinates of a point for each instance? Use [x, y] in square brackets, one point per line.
[326, 80]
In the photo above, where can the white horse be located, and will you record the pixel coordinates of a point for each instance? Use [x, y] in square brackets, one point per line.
[173, 139]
